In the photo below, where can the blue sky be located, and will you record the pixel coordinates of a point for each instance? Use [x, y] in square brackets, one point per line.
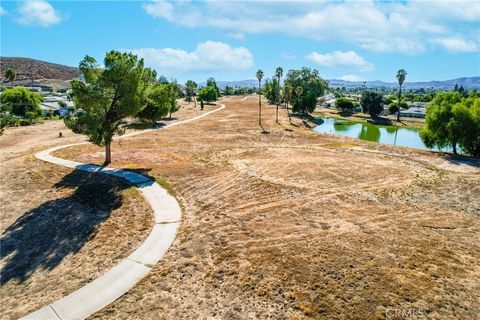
[230, 40]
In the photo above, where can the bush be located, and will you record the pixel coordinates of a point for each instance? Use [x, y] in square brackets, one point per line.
[344, 104]
[24, 122]
[22, 101]
[393, 108]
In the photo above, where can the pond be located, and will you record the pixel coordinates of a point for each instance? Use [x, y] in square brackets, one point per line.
[398, 136]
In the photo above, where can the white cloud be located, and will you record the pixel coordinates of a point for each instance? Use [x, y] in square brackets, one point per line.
[209, 56]
[237, 35]
[341, 59]
[3, 11]
[38, 13]
[159, 9]
[456, 44]
[350, 77]
[373, 25]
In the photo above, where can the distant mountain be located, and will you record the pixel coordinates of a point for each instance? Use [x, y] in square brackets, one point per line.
[466, 82]
[250, 83]
[37, 72]
[30, 69]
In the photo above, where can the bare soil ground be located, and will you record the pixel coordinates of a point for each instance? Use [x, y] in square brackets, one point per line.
[60, 228]
[293, 224]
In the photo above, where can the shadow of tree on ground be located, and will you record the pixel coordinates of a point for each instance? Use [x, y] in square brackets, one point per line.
[307, 119]
[42, 237]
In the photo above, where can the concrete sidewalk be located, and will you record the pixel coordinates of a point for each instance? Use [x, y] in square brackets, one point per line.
[121, 278]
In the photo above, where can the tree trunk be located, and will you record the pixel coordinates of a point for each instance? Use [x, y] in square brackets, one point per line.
[259, 104]
[399, 102]
[454, 148]
[278, 99]
[195, 101]
[108, 154]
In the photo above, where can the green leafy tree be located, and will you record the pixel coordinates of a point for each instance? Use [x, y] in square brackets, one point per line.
[190, 89]
[212, 83]
[451, 121]
[279, 74]
[109, 95]
[344, 104]
[259, 77]
[208, 94]
[162, 80]
[158, 103]
[313, 86]
[23, 102]
[177, 88]
[229, 91]
[372, 103]
[10, 74]
[299, 91]
[401, 75]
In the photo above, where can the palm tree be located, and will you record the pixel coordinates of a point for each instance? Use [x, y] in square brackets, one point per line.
[401, 74]
[10, 74]
[260, 77]
[279, 74]
[298, 92]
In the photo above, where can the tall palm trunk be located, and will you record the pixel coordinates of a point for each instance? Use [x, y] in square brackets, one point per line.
[259, 104]
[399, 102]
[278, 99]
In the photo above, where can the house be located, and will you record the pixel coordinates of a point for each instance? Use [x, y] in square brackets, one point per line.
[413, 112]
[54, 106]
[419, 104]
[330, 103]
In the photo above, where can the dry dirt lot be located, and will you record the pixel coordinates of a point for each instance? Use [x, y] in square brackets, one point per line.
[297, 225]
[60, 228]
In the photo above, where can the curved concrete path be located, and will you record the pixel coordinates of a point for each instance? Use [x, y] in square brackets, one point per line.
[115, 282]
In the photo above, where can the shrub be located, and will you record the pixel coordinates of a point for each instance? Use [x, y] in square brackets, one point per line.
[344, 104]
[393, 108]
[22, 101]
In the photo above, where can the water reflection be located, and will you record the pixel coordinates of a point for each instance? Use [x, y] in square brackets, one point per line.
[408, 137]
[369, 133]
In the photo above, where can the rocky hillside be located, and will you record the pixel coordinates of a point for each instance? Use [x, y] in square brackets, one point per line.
[31, 69]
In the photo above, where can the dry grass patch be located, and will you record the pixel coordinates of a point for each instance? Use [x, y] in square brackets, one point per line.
[287, 225]
[61, 228]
